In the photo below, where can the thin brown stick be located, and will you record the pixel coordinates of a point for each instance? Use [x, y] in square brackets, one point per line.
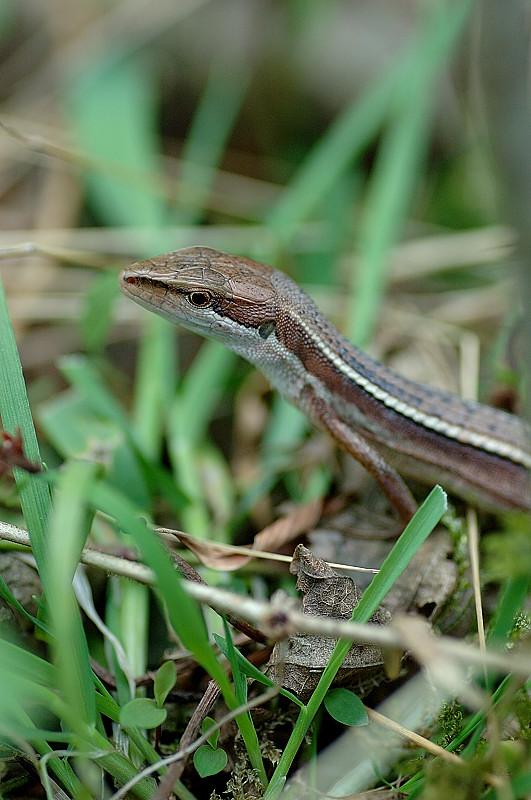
[175, 771]
[278, 619]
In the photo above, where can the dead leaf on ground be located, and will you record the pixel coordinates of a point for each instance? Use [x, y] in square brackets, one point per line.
[298, 663]
[229, 558]
[213, 554]
[288, 527]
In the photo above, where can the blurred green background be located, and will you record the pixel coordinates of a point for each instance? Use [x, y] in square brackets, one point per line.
[345, 142]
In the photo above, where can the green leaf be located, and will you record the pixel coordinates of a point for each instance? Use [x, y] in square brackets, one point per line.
[346, 707]
[397, 168]
[416, 532]
[113, 115]
[253, 672]
[183, 612]
[209, 131]
[165, 678]
[15, 415]
[208, 723]
[512, 599]
[96, 313]
[67, 532]
[142, 713]
[155, 381]
[9, 598]
[208, 761]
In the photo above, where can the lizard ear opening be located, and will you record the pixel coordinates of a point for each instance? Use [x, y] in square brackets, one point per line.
[266, 329]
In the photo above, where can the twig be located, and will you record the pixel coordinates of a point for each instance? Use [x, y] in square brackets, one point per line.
[416, 738]
[175, 771]
[278, 619]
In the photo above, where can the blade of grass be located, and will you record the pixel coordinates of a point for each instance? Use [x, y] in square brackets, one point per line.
[81, 374]
[122, 95]
[113, 117]
[211, 126]
[398, 163]
[183, 612]
[254, 673]
[240, 690]
[512, 599]
[344, 141]
[74, 429]
[15, 414]
[66, 538]
[97, 310]
[415, 533]
[156, 377]
[188, 420]
[28, 680]
[285, 429]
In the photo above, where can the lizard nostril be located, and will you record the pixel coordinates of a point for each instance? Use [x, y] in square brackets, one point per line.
[128, 278]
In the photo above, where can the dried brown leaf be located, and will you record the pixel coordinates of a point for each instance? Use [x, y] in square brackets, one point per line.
[213, 554]
[298, 663]
[288, 527]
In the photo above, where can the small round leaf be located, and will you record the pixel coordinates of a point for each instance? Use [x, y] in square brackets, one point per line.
[208, 723]
[346, 707]
[142, 713]
[208, 761]
[165, 678]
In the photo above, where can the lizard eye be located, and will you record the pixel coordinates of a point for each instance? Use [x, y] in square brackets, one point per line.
[200, 299]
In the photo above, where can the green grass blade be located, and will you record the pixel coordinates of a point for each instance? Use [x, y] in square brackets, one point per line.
[512, 599]
[187, 423]
[397, 168]
[254, 673]
[15, 414]
[67, 534]
[202, 388]
[113, 116]
[97, 311]
[183, 612]
[156, 377]
[25, 664]
[211, 126]
[415, 533]
[245, 721]
[344, 141]
[285, 430]
[9, 598]
[87, 380]
[349, 134]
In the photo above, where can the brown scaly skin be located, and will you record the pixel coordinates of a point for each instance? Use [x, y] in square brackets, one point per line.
[384, 420]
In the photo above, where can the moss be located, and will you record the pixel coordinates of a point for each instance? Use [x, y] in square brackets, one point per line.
[522, 710]
[444, 780]
[450, 722]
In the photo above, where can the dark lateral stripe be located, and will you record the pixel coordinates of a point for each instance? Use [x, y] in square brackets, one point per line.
[431, 422]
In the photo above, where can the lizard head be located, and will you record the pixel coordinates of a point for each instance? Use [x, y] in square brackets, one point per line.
[221, 296]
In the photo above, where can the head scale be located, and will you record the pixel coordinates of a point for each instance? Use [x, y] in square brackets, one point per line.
[205, 290]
